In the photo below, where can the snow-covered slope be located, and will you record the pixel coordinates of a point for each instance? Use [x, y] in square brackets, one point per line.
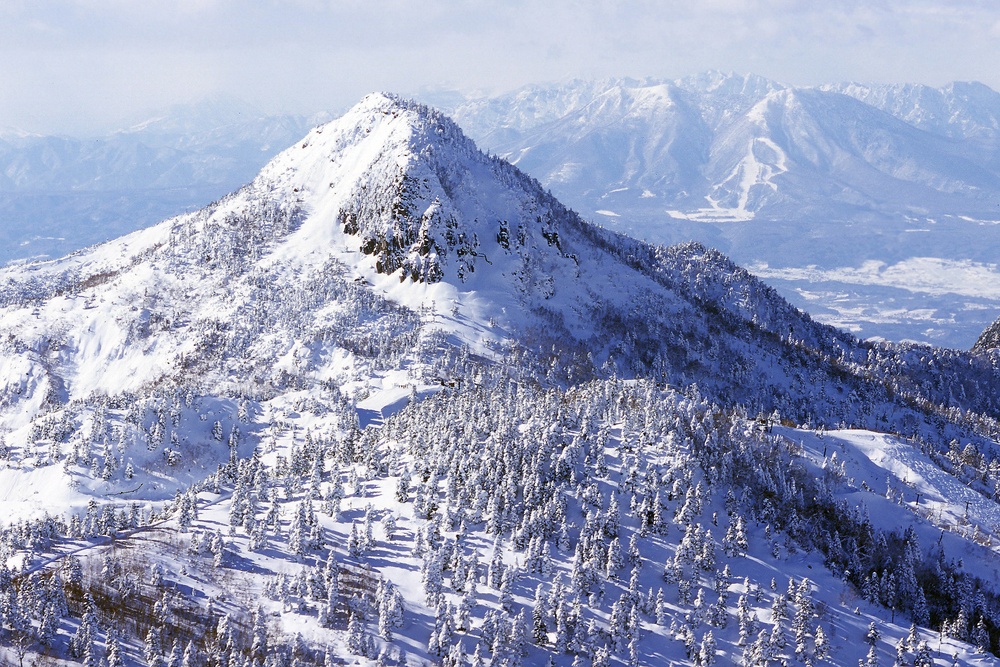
[960, 110]
[804, 185]
[209, 430]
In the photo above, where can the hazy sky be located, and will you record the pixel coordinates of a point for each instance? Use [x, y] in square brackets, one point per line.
[76, 65]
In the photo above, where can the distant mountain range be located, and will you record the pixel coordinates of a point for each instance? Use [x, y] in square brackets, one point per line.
[730, 148]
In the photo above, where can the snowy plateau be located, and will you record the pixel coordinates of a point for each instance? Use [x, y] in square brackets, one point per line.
[392, 403]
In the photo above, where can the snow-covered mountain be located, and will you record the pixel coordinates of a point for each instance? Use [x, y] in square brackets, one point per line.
[871, 207]
[811, 188]
[213, 444]
[397, 198]
[58, 194]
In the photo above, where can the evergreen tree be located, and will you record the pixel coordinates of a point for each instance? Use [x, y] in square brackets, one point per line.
[900, 653]
[659, 608]
[151, 648]
[820, 643]
[506, 598]
[873, 635]
[602, 657]
[356, 635]
[803, 617]
[259, 644]
[218, 549]
[615, 561]
[612, 520]
[519, 635]
[747, 620]
[190, 658]
[539, 630]
[923, 656]
[871, 660]
[707, 650]
[298, 538]
[981, 637]
[174, 659]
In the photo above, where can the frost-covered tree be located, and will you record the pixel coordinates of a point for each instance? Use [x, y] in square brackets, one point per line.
[821, 645]
[923, 656]
[802, 621]
[151, 647]
[356, 634]
[706, 650]
[539, 612]
[615, 560]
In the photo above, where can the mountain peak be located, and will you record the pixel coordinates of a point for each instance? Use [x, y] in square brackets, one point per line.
[399, 178]
[377, 105]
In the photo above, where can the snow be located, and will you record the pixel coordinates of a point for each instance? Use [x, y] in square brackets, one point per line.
[32, 493]
[937, 504]
[160, 350]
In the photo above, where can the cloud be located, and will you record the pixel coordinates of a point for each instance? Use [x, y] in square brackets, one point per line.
[83, 62]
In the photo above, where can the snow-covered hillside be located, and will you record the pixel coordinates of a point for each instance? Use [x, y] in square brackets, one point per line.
[809, 187]
[386, 232]
[392, 401]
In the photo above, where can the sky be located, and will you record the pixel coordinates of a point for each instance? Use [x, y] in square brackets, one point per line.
[84, 66]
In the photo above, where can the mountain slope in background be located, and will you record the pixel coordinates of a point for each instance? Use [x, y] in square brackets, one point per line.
[960, 110]
[872, 207]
